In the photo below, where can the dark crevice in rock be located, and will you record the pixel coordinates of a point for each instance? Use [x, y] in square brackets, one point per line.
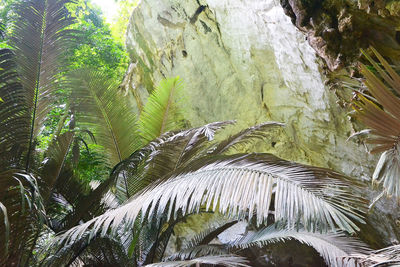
[398, 36]
[205, 27]
[196, 14]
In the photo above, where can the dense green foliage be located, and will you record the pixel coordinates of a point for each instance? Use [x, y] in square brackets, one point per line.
[96, 47]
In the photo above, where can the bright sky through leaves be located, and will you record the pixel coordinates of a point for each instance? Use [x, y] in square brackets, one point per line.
[108, 7]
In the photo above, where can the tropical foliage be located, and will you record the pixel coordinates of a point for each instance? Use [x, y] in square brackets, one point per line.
[379, 109]
[174, 177]
[109, 186]
[381, 112]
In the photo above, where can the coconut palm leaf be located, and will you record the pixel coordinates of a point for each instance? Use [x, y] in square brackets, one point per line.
[114, 126]
[382, 115]
[240, 185]
[220, 260]
[333, 247]
[161, 113]
[245, 136]
[39, 40]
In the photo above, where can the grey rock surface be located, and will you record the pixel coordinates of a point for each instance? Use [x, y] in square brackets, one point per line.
[245, 60]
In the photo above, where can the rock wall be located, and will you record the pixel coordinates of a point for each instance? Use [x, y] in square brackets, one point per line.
[337, 29]
[244, 60]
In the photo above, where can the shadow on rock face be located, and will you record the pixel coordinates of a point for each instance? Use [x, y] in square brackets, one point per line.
[338, 29]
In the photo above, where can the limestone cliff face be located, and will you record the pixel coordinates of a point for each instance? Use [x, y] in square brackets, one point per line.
[245, 60]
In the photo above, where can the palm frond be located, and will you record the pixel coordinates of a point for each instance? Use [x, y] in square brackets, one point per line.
[245, 136]
[209, 234]
[333, 247]
[387, 171]
[194, 247]
[87, 203]
[14, 119]
[4, 247]
[382, 115]
[114, 125]
[54, 161]
[98, 252]
[39, 40]
[199, 245]
[161, 112]
[2, 28]
[239, 186]
[23, 207]
[389, 256]
[220, 260]
[164, 155]
[198, 251]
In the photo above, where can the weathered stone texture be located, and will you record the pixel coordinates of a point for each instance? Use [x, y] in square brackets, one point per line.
[337, 29]
[244, 60]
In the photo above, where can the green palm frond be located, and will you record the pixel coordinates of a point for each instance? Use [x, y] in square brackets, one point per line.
[100, 107]
[245, 136]
[6, 231]
[161, 112]
[54, 161]
[88, 203]
[239, 186]
[220, 260]
[99, 252]
[23, 204]
[155, 251]
[381, 114]
[333, 247]
[14, 119]
[43, 25]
